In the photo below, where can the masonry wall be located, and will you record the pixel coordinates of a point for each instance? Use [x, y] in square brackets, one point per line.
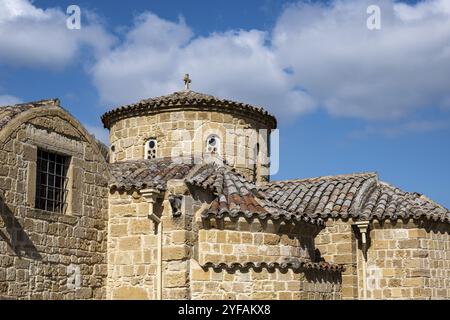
[409, 260]
[242, 243]
[183, 133]
[46, 255]
[132, 248]
[336, 242]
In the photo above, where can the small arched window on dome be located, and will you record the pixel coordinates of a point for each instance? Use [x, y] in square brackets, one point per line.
[213, 144]
[150, 149]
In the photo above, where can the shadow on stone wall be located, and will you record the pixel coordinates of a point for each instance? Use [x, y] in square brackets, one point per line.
[12, 232]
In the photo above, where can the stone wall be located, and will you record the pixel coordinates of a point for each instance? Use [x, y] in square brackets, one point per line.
[405, 260]
[409, 260]
[46, 255]
[183, 133]
[437, 240]
[132, 245]
[336, 242]
[241, 243]
[190, 242]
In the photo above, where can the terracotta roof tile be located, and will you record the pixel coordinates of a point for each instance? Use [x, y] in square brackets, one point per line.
[186, 99]
[234, 196]
[358, 196]
[141, 174]
[389, 202]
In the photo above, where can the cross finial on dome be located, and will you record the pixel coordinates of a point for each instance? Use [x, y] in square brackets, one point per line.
[187, 81]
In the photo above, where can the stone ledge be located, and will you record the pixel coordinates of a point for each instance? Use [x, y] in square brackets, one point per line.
[51, 216]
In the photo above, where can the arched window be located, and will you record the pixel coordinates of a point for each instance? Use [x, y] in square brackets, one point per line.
[150, 149]
[213, 144]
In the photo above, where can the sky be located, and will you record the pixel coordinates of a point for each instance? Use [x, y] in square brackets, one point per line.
[348, 99]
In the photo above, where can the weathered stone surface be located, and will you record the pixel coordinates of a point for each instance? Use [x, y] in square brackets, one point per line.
[106, 244]
[47, 255]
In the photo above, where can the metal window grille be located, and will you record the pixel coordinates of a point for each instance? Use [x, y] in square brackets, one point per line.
[51, 181]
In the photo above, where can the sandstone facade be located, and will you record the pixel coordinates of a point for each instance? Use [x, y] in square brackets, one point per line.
[189, 224]
[44, 255]
[181, 131]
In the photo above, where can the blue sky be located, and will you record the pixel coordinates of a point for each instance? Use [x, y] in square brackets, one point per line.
[348, 99]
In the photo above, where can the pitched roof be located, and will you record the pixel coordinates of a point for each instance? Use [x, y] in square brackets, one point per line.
[318, 197]
[358, 196]
[141, 174]
[7, 113]
[389, 202]
[235, 196]
[186, 99]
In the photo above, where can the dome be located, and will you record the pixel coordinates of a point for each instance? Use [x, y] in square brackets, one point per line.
[190, 124]
[188, 100]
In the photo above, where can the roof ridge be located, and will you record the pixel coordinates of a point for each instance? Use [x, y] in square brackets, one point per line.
[356, 174]
[37, 103]
[412, 193]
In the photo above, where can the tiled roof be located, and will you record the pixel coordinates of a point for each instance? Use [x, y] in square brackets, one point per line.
[389, 202]
[185, 99]
[319, 197]
[359, 196]
[141, 174]
[235, 196]
[7, 113]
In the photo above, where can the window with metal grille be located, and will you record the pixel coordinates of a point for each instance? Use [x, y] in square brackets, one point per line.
[51, 181]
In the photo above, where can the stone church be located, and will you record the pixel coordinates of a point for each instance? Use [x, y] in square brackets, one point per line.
[181, 206]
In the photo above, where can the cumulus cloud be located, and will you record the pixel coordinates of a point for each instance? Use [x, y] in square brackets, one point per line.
[7, 100]
[31, 36]
[317, 55]
[379, 74]
[239, 64]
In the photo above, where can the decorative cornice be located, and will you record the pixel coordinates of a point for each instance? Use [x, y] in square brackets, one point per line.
[188, 100]
[293, 264]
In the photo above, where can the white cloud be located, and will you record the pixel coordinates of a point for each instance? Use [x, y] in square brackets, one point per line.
[31, 36]
[380, 74]
[7, 100]
[236, 64]
[317, 55]
[402, 128]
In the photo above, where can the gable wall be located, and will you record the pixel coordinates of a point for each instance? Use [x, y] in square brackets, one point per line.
[45, 255]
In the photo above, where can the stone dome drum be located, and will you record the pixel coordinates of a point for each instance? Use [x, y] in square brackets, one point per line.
[185, 124]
